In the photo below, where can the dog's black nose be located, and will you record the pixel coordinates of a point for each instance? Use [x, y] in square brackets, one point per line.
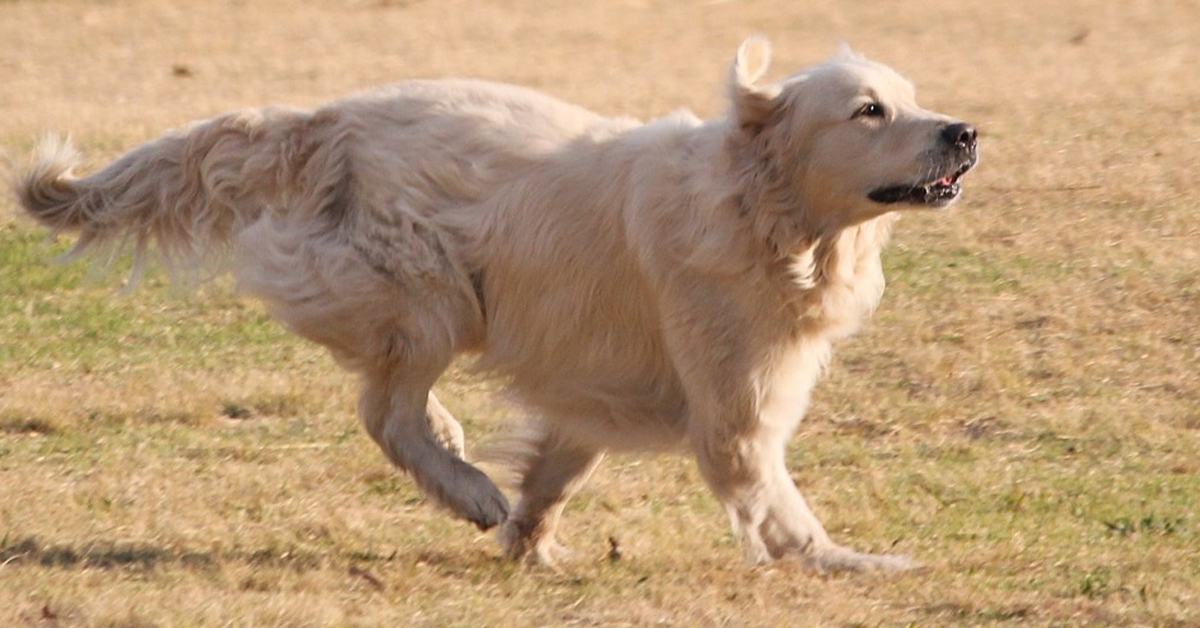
[960, 135]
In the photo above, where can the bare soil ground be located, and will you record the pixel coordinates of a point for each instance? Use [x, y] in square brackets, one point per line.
[1022, 413]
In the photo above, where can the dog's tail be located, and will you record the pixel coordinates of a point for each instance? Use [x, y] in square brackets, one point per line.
[187, 193]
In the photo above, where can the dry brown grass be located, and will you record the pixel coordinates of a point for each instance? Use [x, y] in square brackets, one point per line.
[1022, 413]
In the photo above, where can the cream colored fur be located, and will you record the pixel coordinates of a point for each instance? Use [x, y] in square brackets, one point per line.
[639, 285]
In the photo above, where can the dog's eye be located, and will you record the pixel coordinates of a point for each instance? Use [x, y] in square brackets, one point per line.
[870, 110]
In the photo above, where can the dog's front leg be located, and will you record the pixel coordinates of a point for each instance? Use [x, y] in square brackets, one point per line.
[741, 455]
[746, 393]
[743, 462]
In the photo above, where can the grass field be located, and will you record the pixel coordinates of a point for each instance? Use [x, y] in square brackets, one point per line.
[1022, 414]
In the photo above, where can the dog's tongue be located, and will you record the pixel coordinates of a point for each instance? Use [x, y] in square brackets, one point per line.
[946, 181]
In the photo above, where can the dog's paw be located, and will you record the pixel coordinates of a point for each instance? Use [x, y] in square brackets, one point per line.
[837, 559]
[445, 429]
[550, 554]
[519, 544]
[450, 437]
[487, 508]
[467, 492]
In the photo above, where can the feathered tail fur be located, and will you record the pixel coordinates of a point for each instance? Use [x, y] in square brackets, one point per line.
[187, 193]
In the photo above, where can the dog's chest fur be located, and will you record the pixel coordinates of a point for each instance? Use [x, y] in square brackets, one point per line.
[837, 280]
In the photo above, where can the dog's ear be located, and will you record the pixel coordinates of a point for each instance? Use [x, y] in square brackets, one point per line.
[753, 104]
[846, 53]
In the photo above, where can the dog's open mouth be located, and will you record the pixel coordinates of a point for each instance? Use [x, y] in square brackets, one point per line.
[933, 193]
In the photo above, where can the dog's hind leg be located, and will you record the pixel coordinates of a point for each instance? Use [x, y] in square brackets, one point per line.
[553, 470]
[445, 429]
[381, 289]
[418, 435]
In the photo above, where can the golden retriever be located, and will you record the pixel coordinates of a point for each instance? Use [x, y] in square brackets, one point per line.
[637, 285]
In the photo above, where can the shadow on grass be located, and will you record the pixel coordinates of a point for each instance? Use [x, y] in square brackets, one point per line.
[99, 555]
[145, 557]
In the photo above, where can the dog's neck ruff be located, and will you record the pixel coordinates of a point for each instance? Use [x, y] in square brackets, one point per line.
[839, 277]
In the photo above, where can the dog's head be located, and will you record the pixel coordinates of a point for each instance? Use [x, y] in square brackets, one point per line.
[844, 141]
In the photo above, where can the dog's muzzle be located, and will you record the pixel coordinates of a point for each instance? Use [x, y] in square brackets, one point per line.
[957, 155]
